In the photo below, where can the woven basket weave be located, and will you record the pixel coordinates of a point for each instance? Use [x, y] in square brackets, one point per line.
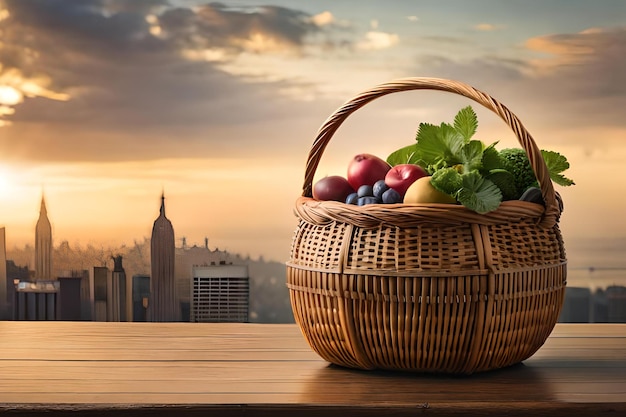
[426, 287]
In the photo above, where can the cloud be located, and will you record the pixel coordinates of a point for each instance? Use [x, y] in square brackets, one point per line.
[100, 70]
[595, 52]
[378, 40]
[578, 80]
[323, 19]
[264, 29]
[488, 27]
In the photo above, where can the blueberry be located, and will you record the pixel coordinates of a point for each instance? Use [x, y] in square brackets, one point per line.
[365, 191]
[379, 188]
[352, 198]
[391, 196]
[367, 200]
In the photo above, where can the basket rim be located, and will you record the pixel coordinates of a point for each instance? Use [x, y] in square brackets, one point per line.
[412, 215]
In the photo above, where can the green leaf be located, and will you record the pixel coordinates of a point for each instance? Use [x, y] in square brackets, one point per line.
[406, 155]
[466, 122]
[479, 194]
[505, 181]
[472, 154]
[491, 158]
[561, 180]
[447, 180]
[437, 144]
[555, 161]
[556, 164]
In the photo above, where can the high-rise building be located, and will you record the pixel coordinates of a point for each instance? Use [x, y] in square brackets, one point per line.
[43, 245]
[576, 306]
[5, 314]
[141, 296]
[116, 305]
[99, 283]
[75, 300]
[68, 298]
[599, 307]
[163, 304]
[616, 301]
[15, 274]
[220, 293]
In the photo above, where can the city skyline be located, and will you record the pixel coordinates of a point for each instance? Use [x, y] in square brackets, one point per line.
[104, 105]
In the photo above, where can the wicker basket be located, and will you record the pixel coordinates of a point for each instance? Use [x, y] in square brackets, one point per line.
[426, 287]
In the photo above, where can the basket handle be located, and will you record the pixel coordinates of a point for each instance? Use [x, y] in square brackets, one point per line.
[330, 126]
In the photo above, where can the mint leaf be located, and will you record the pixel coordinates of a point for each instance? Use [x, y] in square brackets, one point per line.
[561, 179]
[466, 122]
[472, 154]
[505, 181]
[447, 180]
[439, 144]
[406, 155]
[556, 164]
[491, 158]
[479, 194]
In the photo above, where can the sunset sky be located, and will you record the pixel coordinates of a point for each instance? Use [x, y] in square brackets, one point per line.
[104, 104]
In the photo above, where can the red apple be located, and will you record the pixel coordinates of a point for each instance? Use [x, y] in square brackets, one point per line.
[366, 169]
[400, 177]
[334, 188]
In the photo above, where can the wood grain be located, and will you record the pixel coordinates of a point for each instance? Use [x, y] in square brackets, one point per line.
[59, 368]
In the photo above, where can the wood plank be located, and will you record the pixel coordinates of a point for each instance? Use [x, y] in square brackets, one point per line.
[251, 369]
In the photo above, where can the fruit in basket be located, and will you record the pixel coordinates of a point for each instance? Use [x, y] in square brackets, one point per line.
[332, 188]
[368, 199]
[366, 169]
[391, 196]
[379, 188]
[352, 198]
[401, 176]
[422, 191]
[365, 191]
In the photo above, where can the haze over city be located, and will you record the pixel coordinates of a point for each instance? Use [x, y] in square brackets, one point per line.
[105, 104]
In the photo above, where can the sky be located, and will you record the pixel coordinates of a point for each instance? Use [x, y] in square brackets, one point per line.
[107, 104]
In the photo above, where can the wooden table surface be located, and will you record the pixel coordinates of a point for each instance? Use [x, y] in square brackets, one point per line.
[180, 369]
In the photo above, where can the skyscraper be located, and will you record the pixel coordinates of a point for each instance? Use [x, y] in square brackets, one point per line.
[116, 305]
[43, 245]
[4, 300]
[163, 303]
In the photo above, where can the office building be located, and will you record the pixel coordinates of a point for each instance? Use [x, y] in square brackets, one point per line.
[5, 313]
[43, 245]
[141, 297]
[616, 303]
[74, 295]
[576, 306]
[15, 274]
[220, 293]
[163, 305]
[99, 279]
[68, 300]
[599, 307]
[36, 300]
[116, 289]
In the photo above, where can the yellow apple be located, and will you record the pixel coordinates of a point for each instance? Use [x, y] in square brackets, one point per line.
[421, 191]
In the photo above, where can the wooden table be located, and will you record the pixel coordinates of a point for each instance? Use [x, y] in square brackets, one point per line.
[184, 369]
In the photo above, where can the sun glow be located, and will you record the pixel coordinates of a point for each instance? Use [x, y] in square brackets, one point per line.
[6, 184]
[10, 96]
